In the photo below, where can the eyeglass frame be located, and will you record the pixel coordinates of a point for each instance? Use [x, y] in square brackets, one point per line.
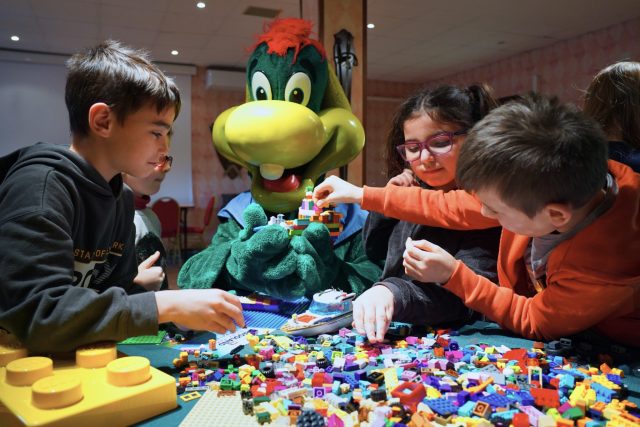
[424, 145]
[166, 159]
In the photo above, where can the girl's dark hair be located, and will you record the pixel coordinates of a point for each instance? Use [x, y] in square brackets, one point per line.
[613, 100]
[446, 104]
[121, 77]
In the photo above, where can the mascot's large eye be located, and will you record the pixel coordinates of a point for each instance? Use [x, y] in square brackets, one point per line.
[261, 87]
[298, 89]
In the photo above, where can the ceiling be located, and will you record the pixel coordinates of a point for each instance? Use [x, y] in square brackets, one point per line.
[413, 40]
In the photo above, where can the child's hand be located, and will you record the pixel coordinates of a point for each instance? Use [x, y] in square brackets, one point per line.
[335, 190]
[150, 277]
[200, 309]
[427, 262]
[372, 312]
[404, 179]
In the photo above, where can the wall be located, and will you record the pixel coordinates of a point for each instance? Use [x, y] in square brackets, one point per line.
[208, 175]
[564, 68]
[32, 109]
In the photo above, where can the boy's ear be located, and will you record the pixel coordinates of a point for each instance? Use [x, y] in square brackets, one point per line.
[559, 214]
[100, 119]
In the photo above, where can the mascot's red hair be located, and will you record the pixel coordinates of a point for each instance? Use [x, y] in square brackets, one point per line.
[284, 34]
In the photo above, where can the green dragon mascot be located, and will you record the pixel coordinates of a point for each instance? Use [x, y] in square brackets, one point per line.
[296, 125]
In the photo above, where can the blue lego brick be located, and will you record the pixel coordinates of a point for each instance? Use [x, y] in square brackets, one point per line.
[442, 406]
[603, 393]
[614, 379]
[466, 410]
[495, 400]
[505, 416]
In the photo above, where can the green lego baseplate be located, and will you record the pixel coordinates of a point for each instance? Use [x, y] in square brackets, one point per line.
[146, 339]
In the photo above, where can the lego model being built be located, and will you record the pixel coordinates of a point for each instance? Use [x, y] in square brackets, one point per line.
[97, 388]
[329, 311]
[308, 213]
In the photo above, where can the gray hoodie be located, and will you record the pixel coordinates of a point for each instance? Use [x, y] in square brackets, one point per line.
[67, 258]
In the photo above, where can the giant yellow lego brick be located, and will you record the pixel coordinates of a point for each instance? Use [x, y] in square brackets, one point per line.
[97, 389]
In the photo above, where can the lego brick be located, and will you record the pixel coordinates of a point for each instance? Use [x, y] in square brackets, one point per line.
[99, 390]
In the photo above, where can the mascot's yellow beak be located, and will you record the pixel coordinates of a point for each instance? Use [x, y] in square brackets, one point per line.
[260, 132]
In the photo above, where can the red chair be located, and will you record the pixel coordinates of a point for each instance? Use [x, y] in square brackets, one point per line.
[168, 211]
[208, 214]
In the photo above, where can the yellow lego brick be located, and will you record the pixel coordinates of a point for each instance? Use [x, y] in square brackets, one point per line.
[119, 392]
[433, 393]
[190, 396]
[602, 380]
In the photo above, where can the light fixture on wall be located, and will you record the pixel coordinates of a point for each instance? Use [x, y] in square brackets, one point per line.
[15, 38]
[201, 5]
[174, 52]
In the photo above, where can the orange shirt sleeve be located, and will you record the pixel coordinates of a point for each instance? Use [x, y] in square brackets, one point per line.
[456, 209]
[571, 303]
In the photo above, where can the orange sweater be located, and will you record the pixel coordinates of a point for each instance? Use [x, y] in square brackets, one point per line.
[593, 279]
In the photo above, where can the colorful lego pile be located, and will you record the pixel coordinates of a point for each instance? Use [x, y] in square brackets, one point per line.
[341, 380]
[308, 213]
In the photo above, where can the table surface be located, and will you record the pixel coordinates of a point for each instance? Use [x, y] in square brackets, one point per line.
[162, 356]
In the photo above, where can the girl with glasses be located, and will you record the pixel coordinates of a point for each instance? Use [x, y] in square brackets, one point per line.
[422, 150]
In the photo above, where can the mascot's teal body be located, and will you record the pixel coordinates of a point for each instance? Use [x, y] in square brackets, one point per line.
[296, 125]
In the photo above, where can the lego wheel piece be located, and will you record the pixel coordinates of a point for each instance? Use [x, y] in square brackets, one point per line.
[28, 370]
[128, 371]
[56, 392]
[10, 351]
[96, 356]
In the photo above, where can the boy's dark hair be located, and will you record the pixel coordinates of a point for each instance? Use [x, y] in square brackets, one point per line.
[534, 152]
[613, 100]
[121, 77]
[445, 104]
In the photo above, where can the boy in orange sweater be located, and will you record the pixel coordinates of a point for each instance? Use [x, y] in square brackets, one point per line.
[571, 223]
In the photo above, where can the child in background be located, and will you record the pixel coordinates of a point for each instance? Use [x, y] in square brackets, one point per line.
[571, 223]
[66, 220]
[149, 248]
[426, 135]
[613, 100]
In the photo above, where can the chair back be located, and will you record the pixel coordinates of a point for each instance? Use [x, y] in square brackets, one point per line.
[208, 213]
[168, 211]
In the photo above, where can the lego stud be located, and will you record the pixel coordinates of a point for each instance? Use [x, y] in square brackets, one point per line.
[96, 356]
[128, 371]
[28, 370]
[56, 392]
[10, 352]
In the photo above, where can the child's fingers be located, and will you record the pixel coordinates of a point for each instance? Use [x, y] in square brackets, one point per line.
[382, 321]
[358, 318]
[321, 191]
[149, 261]
[233, 299]
[370, 323]
[426, 245]
[233, 313]
[221, 325]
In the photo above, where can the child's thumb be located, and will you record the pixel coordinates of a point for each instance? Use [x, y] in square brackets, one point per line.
[151, 260]
[427, 246]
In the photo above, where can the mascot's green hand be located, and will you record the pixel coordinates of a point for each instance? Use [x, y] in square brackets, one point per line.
[317, 264]
[262, 260]
[254, 216]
